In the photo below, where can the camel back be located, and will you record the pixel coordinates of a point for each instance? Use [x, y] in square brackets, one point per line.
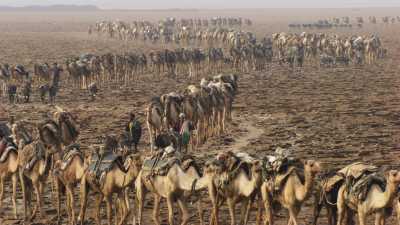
[4, 129]
[189, 161]
[354, 170]
[100, 164]
[31, 153]
[69, 153]
[361, 187]
[158, 165]
[6, 147]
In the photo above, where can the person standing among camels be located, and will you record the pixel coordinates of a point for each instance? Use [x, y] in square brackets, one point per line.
[185, 128]
[54, 82]
[134, 130]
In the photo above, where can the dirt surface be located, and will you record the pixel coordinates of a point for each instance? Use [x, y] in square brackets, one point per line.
[334, 115]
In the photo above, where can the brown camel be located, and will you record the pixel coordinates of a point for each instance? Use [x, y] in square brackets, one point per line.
[67, 125]
[36, 175]
[175, 185]
[154, 114]
[293, 191]
[8, 167]
[376, 200]
[236, 186]
[328, 189]
[115, 181]
[70, 171]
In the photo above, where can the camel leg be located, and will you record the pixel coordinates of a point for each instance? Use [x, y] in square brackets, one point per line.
[184, 209]
[58, 192]
[379, 218]
[245, 211]
[397, 208]
[293, 212]
[98, 204]
[1, 189]
[38, 186]
[70, 200]
[124, 211]
[109, 210]
[213, 198]
[317, 210]
[24, 193]
[341, 207]
[170, 210]
[156, 214]
[231, 206]
[140, 194]
[200, 211]
[361, 216]
[83, 195]
[14, 179]
[268, 220]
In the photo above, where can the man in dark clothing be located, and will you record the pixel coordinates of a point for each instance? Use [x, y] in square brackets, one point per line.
[55, 80]
[12, 93]
[134, 130]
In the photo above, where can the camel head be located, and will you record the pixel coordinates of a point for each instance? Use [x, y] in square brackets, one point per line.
[228, 159]
[312, 167]
[393, 176]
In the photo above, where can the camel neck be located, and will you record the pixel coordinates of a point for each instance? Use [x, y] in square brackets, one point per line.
[390, 193]
[305, 189]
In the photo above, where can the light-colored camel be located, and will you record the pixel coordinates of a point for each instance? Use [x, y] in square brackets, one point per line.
[154, 114]
[115, 181]
[236, 186]
[8, 168]
[175, 185]
[36, 177]
[70, 176]
[376, 201]
[293, 192]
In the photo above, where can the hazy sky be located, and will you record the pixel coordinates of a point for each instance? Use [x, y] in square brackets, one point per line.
[162, 4]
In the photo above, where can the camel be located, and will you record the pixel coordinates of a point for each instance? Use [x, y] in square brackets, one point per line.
[36, 175]
[175, 185]
[70, 172]
[8, 167]
[115, 181]
[154, 120]
[329, 186]
[293, 191]
[376, 200]
[236, 185]
[67, 125]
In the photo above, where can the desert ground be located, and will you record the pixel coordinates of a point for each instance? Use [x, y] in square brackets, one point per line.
[334, 115]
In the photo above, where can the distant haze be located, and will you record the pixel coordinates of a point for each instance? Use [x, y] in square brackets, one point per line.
[210, 4]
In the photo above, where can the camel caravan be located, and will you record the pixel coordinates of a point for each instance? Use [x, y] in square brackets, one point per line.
[327, 50]
[344, 22]
[34, 152]
[200, 112]
[168, 30]
[18, 83]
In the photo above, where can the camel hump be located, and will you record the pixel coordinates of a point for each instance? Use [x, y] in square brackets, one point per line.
[70, 152]
[6, 147]
[160, 163]
[357, 169]
[189, 161]
[362, 186]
